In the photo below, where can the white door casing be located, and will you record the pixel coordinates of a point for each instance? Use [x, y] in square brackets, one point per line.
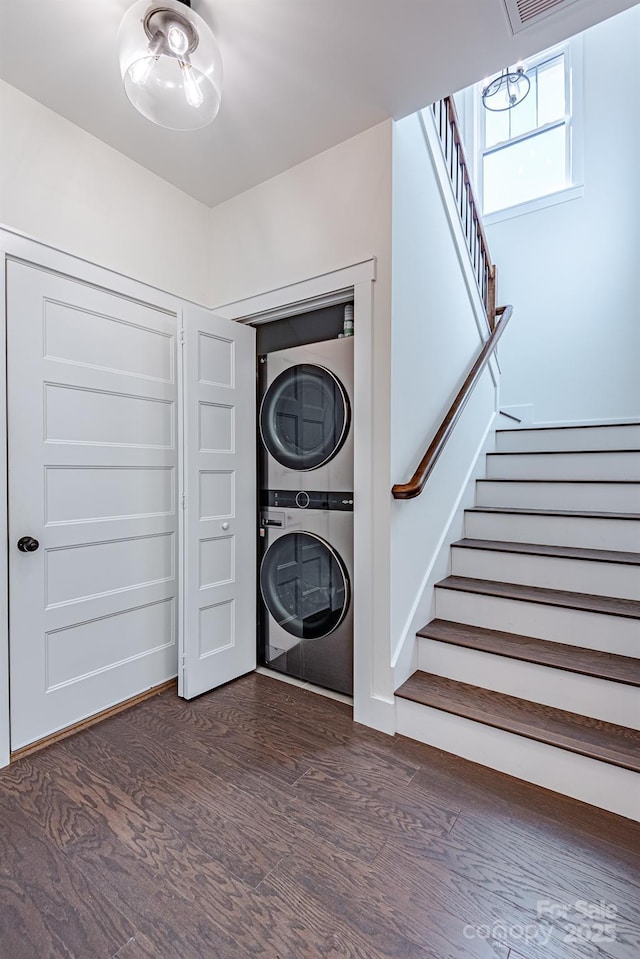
[218, 622]
[93, 477]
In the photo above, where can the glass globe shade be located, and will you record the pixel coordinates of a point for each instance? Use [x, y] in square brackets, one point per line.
[170, 64]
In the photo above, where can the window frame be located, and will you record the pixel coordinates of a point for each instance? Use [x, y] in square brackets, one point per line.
[572, 122]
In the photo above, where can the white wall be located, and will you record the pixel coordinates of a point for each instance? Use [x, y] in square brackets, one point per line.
[572, 270]
[327, 213]
[66, 188]
[438, 326]
[331, 210]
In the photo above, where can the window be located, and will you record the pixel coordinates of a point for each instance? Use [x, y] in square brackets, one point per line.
[531, 151]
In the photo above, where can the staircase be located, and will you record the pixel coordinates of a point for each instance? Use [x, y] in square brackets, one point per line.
[532, 663]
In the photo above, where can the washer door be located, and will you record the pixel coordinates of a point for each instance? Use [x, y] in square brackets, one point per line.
[305, 585]
[304, 417]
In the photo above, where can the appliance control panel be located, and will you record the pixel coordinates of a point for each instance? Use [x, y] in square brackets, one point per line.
[306, 499]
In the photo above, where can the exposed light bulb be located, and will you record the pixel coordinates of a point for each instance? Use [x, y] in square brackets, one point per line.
[177, 40]
[518, 85]
[141, 70]
[193, 93]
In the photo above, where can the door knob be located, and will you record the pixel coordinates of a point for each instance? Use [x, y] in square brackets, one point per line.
[28, 544]
[225, 526]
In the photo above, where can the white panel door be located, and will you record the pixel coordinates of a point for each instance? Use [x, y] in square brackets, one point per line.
[218, 636]
[92, 478]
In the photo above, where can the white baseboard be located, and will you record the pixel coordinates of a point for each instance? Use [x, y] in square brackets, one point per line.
[525, 412]
[600, 421]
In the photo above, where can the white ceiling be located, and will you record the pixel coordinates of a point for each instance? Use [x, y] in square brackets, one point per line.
[300, 75]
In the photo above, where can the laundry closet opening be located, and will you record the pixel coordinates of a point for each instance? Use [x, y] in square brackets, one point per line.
[305, 470]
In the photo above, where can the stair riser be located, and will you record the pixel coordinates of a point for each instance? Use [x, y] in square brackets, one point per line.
[581, 576]
[612, 634]
[588, 780]
[590, 497]
[565, 466]
[586, 695]
[582, 531]
[594, 438]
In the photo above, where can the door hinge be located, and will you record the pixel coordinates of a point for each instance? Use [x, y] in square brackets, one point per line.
[183, 500]
[181, 337]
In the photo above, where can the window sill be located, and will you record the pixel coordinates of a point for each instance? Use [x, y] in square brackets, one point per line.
[540, 203]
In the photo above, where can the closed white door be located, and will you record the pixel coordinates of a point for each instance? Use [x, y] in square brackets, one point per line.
[93, 481]
[218, 635]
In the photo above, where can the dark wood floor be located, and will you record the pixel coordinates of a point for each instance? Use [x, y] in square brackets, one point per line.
[260, 821]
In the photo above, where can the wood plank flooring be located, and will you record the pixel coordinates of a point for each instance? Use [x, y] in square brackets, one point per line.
[260, 821]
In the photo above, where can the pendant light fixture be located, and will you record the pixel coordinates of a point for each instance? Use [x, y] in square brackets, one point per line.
[170, 64]
[506, 91]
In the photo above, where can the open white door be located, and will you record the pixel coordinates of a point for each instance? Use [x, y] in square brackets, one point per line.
[218, 622]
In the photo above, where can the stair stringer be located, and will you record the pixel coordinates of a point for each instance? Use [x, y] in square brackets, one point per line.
[405, 652]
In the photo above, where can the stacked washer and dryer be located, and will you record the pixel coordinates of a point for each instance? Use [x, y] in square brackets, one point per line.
[306, 512]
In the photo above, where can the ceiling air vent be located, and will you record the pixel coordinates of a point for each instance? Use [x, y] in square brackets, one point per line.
[524, 13]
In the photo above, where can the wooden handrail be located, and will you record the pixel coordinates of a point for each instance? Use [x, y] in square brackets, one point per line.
[448, 126]
[417, 482]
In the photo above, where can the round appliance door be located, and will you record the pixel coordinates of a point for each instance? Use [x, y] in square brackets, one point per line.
[304, 417]
[304, 585]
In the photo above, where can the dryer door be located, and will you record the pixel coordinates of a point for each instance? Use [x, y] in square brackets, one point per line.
[305, 417]
[305, 585]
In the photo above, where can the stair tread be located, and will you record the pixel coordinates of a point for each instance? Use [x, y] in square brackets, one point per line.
[561, 452]
[606, 742]
[541, 549]
[587, 662]
[528, 511]
[577, 426]
[548, 597]
[578, 482]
